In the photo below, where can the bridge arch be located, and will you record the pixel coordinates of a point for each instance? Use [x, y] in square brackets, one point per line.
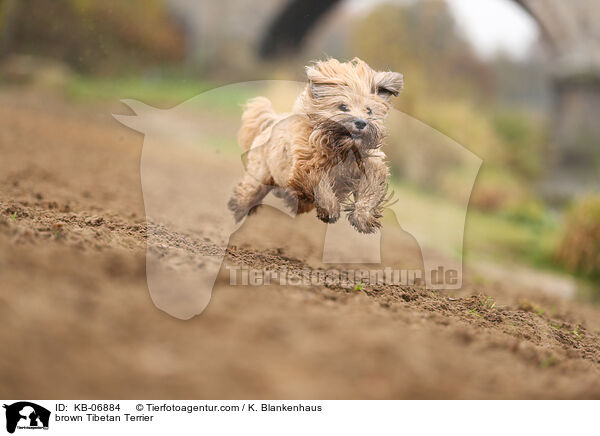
[289, 28]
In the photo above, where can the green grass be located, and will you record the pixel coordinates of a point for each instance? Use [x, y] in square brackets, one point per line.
[487, 302]
[474, 312]
[359, 287]
[490, 236]
[498, 236]
[163, 92]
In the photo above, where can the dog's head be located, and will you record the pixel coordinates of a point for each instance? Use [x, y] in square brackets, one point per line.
[348, 102]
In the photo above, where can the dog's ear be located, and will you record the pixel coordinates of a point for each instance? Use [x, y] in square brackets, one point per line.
[388, 83]
[315, 74]
[320, 78]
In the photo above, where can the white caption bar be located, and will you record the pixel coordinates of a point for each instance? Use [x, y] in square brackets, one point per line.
[290, 417]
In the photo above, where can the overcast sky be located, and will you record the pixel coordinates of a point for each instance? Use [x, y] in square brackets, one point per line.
[493, 25]
[490, 25]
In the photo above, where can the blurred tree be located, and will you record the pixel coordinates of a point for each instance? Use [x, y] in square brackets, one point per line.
[8, 11]
[523, 142]
[422, 38]
[94, 36]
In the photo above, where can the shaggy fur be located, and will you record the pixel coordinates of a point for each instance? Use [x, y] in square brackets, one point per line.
[326, 153]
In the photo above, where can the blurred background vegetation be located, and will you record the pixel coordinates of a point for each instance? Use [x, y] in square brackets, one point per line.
[166, 51]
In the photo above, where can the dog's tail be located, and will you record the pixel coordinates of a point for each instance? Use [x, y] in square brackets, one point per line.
[258, 115]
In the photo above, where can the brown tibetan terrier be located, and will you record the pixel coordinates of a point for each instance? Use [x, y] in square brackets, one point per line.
[327, 153]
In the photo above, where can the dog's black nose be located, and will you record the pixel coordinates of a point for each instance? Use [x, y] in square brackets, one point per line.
[360, 124]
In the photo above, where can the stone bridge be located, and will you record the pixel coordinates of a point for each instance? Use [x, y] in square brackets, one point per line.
[571, 29]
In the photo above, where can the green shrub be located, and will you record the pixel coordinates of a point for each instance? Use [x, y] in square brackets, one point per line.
[523, 139]
[579, 249]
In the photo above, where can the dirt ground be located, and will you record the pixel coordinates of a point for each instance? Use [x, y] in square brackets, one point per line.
[78, 321]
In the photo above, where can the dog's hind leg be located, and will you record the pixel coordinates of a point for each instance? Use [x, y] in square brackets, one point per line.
[366, 209]
[248, 194]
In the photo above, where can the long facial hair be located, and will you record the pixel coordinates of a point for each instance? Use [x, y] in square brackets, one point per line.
[333, 136]
[335, 140]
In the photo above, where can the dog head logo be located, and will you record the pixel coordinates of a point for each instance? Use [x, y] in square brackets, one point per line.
[190, 166]
[26, 415]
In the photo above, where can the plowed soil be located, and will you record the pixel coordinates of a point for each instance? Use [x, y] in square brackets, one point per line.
[78, 321]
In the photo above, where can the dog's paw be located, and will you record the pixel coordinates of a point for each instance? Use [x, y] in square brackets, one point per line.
[364, 220]
[328, 216]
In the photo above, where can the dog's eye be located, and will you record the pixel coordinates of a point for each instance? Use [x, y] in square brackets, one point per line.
[369, 111]
[343, 108]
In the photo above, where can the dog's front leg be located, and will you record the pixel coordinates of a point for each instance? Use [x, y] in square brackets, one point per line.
[326, 202]
[365, 212]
